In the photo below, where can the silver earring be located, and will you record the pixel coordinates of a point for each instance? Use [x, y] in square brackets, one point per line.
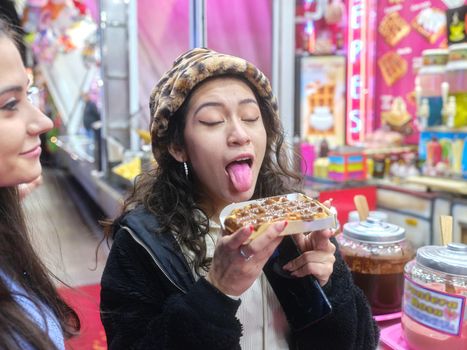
[185, 166]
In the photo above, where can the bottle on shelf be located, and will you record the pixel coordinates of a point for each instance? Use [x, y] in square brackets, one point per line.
[446, 147]
[445, 99]
[456, 161]
[379, 166]
[464, 160]
[309, 37]
[323, 148]
[423, 113]
[451, 111]
[307, 152]
[434, 152]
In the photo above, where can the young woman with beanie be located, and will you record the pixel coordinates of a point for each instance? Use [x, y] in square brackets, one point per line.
[174, 279]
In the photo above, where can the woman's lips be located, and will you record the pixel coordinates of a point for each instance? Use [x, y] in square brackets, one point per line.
[32, 153]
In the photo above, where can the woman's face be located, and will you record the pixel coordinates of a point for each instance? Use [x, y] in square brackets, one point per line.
[20, 122]
[225, 141]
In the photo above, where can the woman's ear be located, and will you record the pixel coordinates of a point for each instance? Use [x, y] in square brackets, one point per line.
[178, 152]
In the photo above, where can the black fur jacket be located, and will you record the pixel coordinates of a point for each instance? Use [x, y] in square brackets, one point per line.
[150, 300]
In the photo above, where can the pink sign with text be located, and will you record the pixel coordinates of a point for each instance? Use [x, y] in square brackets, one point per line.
[404, 30]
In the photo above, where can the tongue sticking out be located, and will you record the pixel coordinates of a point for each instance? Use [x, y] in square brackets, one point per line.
[240, 175]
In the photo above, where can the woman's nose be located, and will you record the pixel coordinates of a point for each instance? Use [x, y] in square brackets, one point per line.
[238, 135]
[39, 122]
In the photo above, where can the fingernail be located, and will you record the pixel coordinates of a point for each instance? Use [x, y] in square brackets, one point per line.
[280, 226]
[286, 266]
[330, 199]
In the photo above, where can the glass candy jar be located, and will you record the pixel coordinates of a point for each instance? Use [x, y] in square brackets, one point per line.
[434, 313]
[376, 252]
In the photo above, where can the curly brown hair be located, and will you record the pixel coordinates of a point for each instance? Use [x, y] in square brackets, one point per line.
[171, 196]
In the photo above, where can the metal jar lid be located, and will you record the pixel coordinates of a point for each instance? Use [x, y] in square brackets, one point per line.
[450, 259]
[353, 215]
[374, 230]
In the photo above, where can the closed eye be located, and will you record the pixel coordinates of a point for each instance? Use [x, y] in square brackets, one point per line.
[211, 123]
[251, 120]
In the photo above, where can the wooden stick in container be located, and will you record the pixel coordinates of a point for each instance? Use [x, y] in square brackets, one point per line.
[446, 229]
[362, 206]
[446, 237]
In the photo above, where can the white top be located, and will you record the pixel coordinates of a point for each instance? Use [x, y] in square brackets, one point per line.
[265, 326]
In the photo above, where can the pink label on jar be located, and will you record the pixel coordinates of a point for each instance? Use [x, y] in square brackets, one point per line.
[436, 310]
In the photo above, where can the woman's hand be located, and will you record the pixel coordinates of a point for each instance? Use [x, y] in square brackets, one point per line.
[317, 257]
[236, 265]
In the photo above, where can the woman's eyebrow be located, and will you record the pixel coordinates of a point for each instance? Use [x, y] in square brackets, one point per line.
[248, 100]
[218, 104]
[208, 104]
[13, 88]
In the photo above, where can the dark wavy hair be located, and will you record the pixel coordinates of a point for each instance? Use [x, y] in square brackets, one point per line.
[19, 262]
[167, 193]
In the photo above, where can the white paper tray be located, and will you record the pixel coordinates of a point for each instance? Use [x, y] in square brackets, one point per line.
[294, 226]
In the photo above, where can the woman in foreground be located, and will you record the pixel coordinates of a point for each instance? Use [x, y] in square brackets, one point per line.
[174, 279]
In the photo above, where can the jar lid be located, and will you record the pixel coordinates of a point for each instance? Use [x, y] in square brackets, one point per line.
[353, 215]
[450, 259]
[457, 52]
[435, 57]
[374, 230]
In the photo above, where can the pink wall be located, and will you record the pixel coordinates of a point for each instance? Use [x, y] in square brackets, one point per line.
[163, 33]
[240, 27]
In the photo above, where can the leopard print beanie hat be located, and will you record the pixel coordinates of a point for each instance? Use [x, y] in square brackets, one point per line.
[190, 69]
